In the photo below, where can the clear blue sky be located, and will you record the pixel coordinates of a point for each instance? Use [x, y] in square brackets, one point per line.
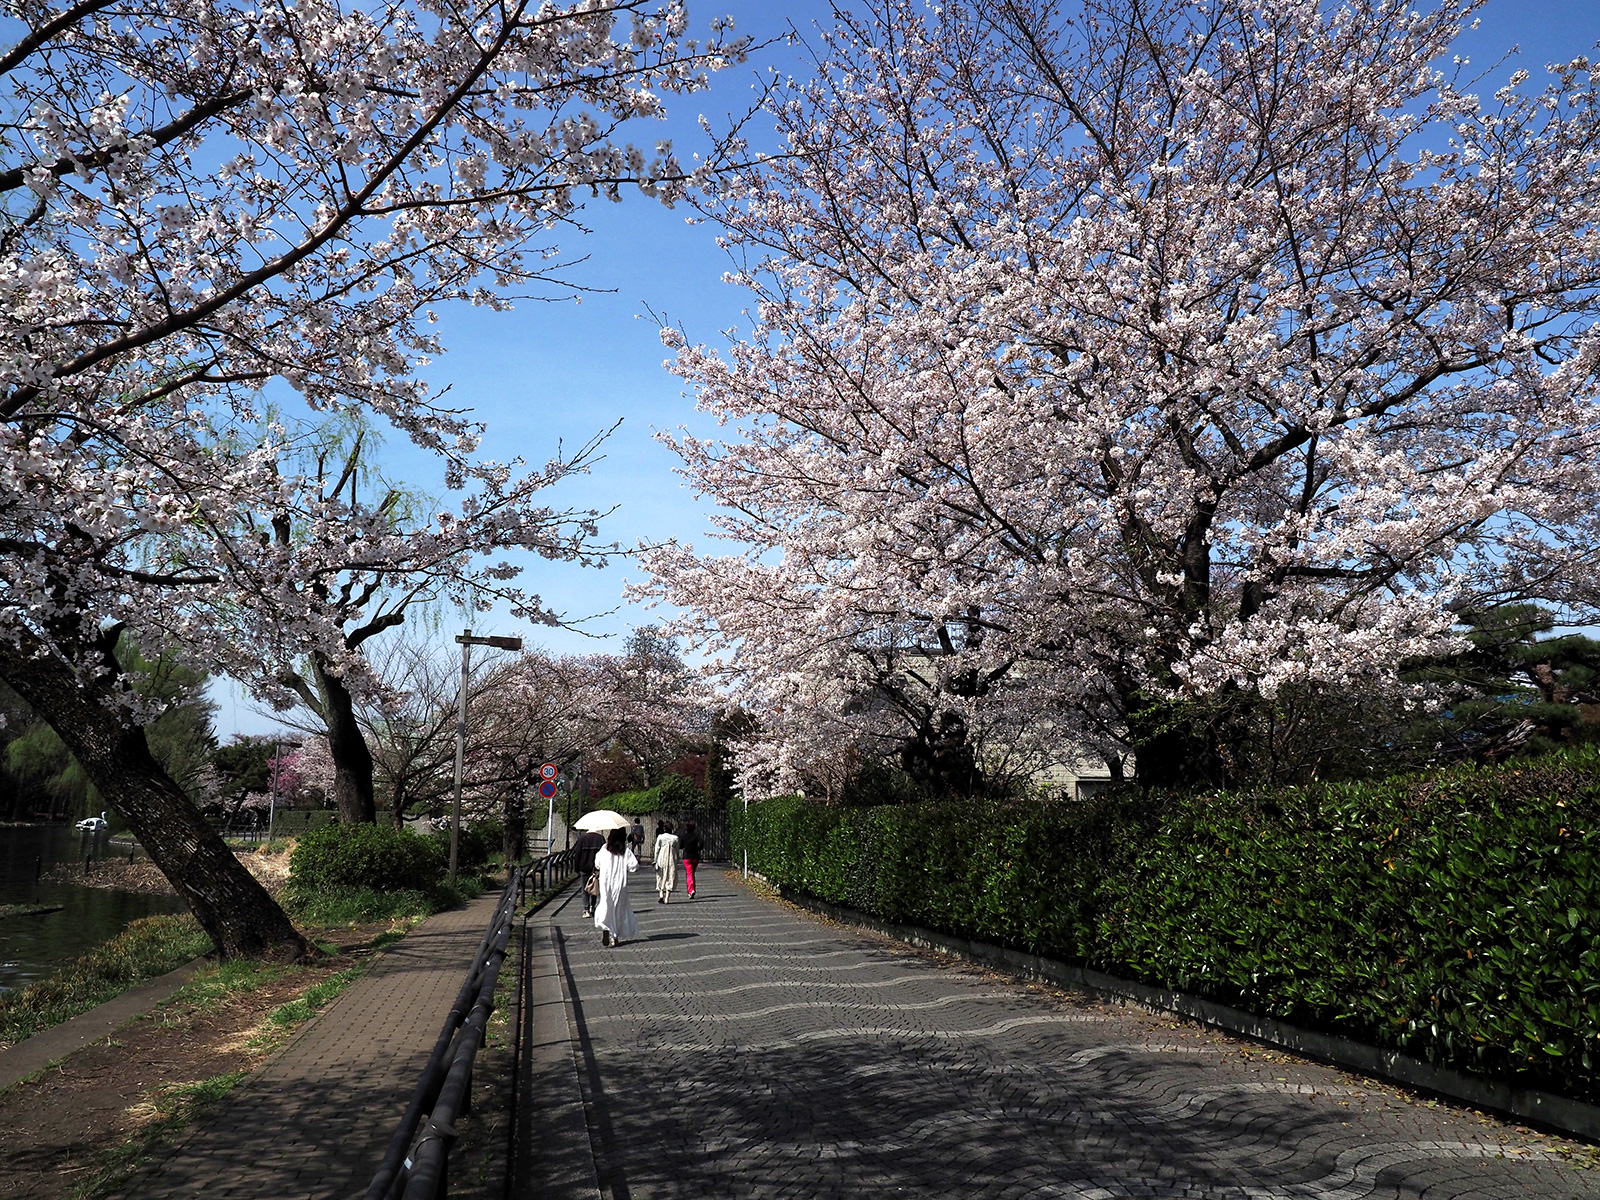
[564, 371]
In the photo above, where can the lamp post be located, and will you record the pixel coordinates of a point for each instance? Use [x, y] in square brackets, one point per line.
[467, 643]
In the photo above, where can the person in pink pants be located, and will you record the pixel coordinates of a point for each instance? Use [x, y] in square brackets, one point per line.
[689, 847]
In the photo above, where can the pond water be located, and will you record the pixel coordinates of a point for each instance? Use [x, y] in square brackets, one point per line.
[31, 946]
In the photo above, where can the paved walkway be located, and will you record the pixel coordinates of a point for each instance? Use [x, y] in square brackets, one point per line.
[313, 1123]
[742, 1049]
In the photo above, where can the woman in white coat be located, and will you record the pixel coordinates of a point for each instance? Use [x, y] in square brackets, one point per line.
[613, 915]
[666, 860]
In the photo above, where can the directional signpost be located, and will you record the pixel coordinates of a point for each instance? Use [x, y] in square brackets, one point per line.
[547, 789]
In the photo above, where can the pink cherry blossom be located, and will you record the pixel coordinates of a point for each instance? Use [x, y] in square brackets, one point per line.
[1140, 353]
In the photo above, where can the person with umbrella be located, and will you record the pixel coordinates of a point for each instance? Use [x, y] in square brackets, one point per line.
[613, 914]
[610, 860]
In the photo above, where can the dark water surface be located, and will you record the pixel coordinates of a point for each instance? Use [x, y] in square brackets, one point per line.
[30, 946]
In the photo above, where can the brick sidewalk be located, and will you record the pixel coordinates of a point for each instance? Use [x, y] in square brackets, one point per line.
[740, 1048]
[314, 1121]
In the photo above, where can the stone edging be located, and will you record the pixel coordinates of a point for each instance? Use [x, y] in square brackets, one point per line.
[1572, 1117]
[32, 1054]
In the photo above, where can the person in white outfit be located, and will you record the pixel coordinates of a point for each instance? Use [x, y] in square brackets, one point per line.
[666, 860]
[613, 915]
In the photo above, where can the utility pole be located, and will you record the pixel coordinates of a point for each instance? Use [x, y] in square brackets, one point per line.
[467, 642]
[272, 791]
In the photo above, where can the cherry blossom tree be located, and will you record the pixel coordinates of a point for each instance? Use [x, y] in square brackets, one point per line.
[408, 556]
[211, 197]
[1137, 359]
[538, 707]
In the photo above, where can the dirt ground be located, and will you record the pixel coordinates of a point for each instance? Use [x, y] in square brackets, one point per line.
[141, 875]
[75, 1130]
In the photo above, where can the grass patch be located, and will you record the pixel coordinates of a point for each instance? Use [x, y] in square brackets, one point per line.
[357, 906]
[165, 1115]
[145, 949]
[284, 1019]
[215, 982]
[344, 906]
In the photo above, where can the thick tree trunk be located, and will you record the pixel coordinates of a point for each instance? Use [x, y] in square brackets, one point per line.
[232, 907]
[353, 792]
[516, 822]
[1188, 746]
[940, 758]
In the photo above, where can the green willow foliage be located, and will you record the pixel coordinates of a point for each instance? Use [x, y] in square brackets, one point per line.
[1453, 915]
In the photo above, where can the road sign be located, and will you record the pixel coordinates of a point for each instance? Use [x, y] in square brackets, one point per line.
[548, 771]
[547, 788]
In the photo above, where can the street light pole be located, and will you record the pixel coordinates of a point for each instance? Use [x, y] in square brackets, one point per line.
[272, 790]
[467, 642]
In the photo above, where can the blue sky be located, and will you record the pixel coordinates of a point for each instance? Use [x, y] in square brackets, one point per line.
[564, 371]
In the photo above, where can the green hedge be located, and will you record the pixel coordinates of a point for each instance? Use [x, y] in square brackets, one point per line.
[1454, 916]
[671, 794]
[379, 857]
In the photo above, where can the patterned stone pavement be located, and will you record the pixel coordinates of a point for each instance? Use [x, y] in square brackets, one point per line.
[741, 1048]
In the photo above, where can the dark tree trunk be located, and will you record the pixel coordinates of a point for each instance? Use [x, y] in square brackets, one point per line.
[516, 822]
[1187, 745]
[231, 906]
[940, 759]
[353, 793]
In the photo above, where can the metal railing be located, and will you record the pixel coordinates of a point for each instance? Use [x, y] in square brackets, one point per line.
[417, 1165]
[551, 871]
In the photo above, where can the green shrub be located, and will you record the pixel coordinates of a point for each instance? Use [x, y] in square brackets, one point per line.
[378, 857]
[678, 792]
[673, 794]
[629, 804]
[476, 844]
[1454, 916]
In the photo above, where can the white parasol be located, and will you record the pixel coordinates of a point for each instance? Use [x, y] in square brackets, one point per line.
[600, 820]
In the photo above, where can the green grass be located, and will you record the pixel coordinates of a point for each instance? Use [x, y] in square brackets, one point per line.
[343, 906]
[358, 906]
[284, 1019]
[215, 982]
[173, 1108]
[145, 949]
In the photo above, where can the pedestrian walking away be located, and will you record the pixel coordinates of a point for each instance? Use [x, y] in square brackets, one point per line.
[666, 859]
[689, 848]
[613, 914]
[636, 838]
[585, 848]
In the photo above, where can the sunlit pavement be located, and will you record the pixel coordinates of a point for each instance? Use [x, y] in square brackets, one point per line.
[741, 1048]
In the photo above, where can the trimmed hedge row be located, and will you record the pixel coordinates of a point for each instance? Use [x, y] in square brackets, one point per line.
[1454, 915]
[673, 792]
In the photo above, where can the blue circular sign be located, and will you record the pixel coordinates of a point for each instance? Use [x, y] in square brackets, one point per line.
[547, 788]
